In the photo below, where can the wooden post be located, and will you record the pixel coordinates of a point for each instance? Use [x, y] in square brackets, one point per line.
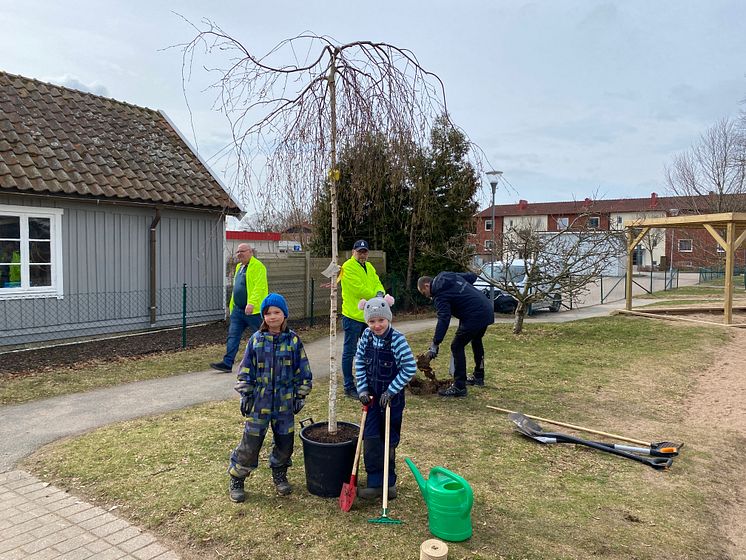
[628, 277]
[729, 254]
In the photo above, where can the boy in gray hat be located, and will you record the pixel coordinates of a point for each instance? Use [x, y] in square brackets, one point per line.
[384, 364]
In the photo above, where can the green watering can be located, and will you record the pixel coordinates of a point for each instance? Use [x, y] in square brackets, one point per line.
[449, 499]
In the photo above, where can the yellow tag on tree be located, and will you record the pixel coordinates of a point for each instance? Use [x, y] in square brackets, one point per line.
[334, 175]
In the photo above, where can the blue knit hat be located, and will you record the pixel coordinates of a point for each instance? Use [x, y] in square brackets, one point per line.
[275, 300]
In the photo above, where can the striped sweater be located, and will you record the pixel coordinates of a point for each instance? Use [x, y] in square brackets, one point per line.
[405, 363]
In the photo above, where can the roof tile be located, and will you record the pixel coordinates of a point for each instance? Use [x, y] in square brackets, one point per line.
[94, 146]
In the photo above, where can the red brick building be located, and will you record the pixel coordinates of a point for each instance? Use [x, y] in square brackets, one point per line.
[689, 248]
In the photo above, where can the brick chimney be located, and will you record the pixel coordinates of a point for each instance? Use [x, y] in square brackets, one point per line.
[522, 204]
[654, 200]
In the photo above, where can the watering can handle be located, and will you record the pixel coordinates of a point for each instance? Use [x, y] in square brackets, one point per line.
[461, 480]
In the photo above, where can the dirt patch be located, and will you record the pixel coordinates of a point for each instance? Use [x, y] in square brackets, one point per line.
[38, 360]
[718, 401]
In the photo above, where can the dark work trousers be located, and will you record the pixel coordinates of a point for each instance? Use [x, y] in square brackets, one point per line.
[460, 340]
[353, 330]
[245, 457]
[381, 370]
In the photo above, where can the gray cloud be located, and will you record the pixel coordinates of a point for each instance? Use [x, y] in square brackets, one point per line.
[73, 82]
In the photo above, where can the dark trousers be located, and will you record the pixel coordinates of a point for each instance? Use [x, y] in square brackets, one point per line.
[353, 331]
[245, 457]
[374, 436]
[460, 340]
[239, 323]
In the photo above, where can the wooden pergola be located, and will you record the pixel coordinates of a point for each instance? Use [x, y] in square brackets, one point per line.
[733, 223]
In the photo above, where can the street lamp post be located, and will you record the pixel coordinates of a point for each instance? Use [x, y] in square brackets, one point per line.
[494, 178]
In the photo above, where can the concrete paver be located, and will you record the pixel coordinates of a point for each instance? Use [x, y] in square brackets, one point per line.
[38, 520]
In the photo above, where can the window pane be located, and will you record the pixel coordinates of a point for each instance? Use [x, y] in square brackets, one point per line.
[40, 251]
[10, 227]
[10, 252]
[41, 275]
[10, 276]
[38, 228]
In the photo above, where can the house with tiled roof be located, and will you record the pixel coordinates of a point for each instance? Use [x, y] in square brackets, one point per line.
[106, 212]
[683, 249]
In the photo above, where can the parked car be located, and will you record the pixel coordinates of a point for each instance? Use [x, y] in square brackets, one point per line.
[513, 274]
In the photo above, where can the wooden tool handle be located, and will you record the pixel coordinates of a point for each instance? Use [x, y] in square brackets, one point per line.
[359, 445]
[574, 427]
[386, 459]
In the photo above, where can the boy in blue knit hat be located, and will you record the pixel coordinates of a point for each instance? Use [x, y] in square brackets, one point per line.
[384, 364]
[274, 379]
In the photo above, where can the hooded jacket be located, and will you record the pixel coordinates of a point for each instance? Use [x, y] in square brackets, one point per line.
[454, 296]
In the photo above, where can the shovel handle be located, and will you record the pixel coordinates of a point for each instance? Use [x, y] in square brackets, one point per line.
[359, 446]
[574, 427]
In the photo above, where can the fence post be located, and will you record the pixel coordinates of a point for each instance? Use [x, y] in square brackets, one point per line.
[602, 289]
[313, 292]
[651, 278]
[183, 315]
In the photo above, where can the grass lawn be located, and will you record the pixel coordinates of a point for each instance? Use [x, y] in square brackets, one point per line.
[616, 374]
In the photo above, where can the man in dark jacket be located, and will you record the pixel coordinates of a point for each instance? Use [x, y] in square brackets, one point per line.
[454, 295]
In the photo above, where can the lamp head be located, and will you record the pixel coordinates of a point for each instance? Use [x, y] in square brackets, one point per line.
[493, 177]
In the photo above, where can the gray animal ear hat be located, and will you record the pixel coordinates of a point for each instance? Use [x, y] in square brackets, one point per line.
[379, 306]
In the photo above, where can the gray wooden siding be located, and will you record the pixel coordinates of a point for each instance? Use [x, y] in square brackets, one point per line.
[106, 272]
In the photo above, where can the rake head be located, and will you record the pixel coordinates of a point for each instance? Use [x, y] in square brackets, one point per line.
[385, 519]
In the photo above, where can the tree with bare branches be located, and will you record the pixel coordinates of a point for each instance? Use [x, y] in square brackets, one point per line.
[710, 177]
[540, 264]
[292, 108]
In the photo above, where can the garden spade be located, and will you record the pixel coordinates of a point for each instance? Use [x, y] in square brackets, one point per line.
[349, 489]
[385, 519]
[531, 429]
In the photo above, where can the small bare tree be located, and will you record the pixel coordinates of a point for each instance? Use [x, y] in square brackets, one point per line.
[292, 108]
[539, 264]
[710, 177]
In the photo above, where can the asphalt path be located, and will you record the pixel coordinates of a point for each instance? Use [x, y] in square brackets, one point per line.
[26, 427]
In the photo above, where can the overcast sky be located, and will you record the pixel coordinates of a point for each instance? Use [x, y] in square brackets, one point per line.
[567, 98]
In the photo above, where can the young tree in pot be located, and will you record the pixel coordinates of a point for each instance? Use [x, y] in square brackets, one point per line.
[293, 111]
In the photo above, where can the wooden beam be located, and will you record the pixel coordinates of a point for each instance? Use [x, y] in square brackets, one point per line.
[690, 220]
[628, 274]
[729, 254]
[676, 318]
[716, 235]
[740, 240]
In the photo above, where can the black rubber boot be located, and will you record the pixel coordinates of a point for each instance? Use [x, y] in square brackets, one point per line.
[235, 489]
[280, 478]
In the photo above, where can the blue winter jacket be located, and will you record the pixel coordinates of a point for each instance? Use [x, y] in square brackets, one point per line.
[454, 296]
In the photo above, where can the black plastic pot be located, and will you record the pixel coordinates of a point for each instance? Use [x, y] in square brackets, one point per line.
[328, 465]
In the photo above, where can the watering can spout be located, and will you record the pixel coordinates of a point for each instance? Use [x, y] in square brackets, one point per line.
[421, 482]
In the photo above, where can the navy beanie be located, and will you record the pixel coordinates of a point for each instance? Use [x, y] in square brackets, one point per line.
[277, 301]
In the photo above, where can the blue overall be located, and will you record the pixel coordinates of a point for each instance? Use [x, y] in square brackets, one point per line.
[381, 370]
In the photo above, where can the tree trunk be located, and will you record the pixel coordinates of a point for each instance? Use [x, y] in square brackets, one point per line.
[410, 255]
[334, 176]
[520, 314]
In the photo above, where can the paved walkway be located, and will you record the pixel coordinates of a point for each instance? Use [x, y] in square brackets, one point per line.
[40, 521]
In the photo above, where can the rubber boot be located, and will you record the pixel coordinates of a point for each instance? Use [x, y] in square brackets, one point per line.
[236, 489]
[280, 478]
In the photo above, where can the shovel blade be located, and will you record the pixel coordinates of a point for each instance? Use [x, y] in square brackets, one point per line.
[525, 425]
[347, 496]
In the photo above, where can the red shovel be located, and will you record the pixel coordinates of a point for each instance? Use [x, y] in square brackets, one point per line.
[349, 490]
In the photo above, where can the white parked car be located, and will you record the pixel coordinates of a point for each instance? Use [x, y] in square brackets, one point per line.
[514, 274]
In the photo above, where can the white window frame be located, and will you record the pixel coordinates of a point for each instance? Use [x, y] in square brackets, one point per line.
[596, 220]
[563, 223]
[488, 225]
[689, 250]
[25, 291]
[488, 244]
[718, 249]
